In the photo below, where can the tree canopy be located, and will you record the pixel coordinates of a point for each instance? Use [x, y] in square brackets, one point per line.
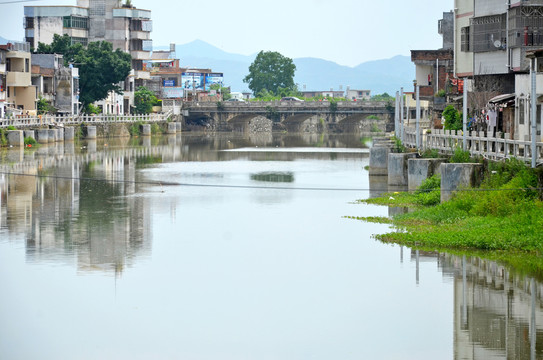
[271, 72]
[144, 100]
[100, 68]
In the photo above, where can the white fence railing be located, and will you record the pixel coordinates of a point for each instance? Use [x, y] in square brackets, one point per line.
[499, 147]
[46, 120]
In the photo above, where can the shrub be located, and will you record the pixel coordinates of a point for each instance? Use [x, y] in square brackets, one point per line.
[135, 128]
[430, 154]
[460, 156]
[156, 129]
[453, 118]
[30, 141]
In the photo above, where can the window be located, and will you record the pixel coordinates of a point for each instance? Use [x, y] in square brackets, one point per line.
[464, 39]
[27, 65]
[489, 33]
[82, 41]
[76, 22]
[29, 23]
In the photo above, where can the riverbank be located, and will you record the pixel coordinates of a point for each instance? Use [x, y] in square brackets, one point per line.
[504, 214]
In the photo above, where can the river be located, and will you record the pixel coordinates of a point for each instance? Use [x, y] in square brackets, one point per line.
[201, 246]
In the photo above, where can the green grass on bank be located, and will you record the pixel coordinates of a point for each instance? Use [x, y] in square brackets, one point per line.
[504, 214]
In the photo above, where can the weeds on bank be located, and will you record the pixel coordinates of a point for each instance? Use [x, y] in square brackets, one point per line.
[505, 213]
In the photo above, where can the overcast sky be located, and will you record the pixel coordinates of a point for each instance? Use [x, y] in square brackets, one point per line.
[348, 32]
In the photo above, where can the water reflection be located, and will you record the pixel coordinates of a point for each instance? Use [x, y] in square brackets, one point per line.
[497, 314]
[81, 201]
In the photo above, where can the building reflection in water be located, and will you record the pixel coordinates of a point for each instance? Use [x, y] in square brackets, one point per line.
[77, 202]
[497, 314]
[77, 208]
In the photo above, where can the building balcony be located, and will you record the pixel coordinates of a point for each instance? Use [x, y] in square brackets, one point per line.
[140, 35]
[140, 55]
[18, 79]
[141, 74]
[76, 33]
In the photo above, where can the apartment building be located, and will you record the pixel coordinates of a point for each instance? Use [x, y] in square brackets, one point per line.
[3, 58]
[55, 82]
[434, 68]
[124, 26]
[357, 95]
[492, 40]
[20, 94]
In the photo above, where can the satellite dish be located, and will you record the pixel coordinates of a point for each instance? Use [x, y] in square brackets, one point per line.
[498, 44]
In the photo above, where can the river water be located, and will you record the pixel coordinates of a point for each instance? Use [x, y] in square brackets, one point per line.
[230, 247]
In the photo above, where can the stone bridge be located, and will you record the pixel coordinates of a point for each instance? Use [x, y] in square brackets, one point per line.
[301, 117]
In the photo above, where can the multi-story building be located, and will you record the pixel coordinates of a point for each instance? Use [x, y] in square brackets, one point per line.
[358, 95]
[3, 58]
[492, 39]
[326, 94]
[124, 26]
[20, 97]
[55, 82]
[434, 68]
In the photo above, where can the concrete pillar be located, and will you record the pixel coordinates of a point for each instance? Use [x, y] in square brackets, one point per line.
[146, 141]
[69, 134]
[379, 161]
[454, 176]
[146, 130]
[42, 136]
[91, 146]
[91, 132]
[16, 138]
[172, 128]
[52, 135]
[60, 134]
[397, 168]
[69, 146]
[179, 126]
[420, 170]
[30, 133]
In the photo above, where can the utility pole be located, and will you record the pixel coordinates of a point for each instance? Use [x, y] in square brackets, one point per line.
[465, 118]
[418, 116]
[533, 100]
[401, 114]
[397, 116]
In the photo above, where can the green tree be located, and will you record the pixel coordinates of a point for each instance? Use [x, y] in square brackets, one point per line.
[45, 107]
[382, 97]
[270, 71]
[61, 45]
[453, 118]
[100, 68]
[225, 91]
[144, 100]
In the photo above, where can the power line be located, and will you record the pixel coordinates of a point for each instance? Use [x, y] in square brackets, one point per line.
[17, 1]
[167, 183]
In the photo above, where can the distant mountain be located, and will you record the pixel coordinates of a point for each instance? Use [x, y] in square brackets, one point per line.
[313, 74]
[3, 41]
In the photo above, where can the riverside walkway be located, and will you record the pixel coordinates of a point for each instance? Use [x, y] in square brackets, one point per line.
[26, 122]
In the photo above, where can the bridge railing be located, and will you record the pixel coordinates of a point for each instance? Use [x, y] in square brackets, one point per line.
[497, 147]
[261, 106]
[46, 120]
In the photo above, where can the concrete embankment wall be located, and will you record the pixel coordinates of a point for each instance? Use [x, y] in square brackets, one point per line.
[405, 170]
[70, 133]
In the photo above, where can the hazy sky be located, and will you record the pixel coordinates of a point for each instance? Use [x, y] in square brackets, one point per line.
[348, 32]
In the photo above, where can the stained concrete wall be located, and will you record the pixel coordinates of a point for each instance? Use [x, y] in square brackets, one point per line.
[379, 161]
[397, 168]
[455, 176]
[420, 170]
